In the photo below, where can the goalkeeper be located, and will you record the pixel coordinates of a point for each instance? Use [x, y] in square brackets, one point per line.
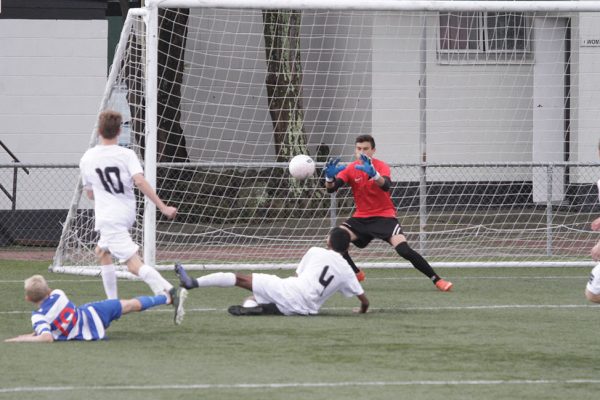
[375, 215]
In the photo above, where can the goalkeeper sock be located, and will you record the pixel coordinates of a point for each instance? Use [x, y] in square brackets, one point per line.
[405, 251]
[151, 301]
[219, 279]
[154, 279]
[347, 257]
[109, 280]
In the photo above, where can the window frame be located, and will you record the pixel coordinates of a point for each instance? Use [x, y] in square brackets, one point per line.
[483, 51]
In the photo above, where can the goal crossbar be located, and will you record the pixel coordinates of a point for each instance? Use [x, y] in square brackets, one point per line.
[387, 5]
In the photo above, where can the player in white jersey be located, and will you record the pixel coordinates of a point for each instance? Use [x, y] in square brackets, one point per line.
[109, 173]
[57, 318]
[320, 274]
[592, 289]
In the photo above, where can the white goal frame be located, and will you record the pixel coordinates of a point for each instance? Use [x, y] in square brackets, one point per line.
[150, 16]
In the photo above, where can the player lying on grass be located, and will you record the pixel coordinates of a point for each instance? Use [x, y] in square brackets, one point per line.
[320, 274]
[375, 215]
[108, 173]
[57, 318]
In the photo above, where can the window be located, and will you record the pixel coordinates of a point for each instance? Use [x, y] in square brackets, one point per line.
[484, 33]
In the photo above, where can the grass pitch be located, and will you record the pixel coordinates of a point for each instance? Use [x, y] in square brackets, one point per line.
[503, 333]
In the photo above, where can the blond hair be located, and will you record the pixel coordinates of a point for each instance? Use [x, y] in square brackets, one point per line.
[36, 288]
[109, 124]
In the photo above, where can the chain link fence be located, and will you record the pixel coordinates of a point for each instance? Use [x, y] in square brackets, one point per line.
[469, 211]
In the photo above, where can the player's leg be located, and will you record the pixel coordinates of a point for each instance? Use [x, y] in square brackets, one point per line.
[268, 296]
[592, 289]
[399, 243]
[142, 303]
[123, 248]
[107, 269]
[361, 242]
[217, 279]
[149, 275]
[159, 285]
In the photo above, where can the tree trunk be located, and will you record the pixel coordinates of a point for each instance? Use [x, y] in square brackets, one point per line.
[171, 143]
[172, 35]
[284, 81]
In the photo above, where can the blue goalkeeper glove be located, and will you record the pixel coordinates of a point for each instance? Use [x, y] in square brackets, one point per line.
[332, 169]
[367, 167]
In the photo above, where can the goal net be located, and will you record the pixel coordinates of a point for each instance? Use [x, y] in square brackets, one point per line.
[488, 114]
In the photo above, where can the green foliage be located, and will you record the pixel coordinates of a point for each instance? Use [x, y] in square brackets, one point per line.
[242, 195]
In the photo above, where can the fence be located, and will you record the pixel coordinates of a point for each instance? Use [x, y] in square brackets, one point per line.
[549, 206]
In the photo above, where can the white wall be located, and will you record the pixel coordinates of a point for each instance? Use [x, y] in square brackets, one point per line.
[52, 76]
[588, 112]
[480, 111]
[225, 112]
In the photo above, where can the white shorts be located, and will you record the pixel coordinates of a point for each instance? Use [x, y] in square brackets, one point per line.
[119, 244]
[273, 289]
[593, 284]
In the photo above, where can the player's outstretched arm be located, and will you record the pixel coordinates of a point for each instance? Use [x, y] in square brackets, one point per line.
[596, 224]
[45, 337]
[141, 183]
[364, 304]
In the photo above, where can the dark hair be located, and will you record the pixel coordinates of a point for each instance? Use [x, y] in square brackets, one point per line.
[109, 124]
[339, 240]
[366, 138]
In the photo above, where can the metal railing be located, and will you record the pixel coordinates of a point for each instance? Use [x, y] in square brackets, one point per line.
[12, 196]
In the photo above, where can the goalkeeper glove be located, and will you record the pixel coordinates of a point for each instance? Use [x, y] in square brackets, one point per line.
[332, 169]
[367, 167]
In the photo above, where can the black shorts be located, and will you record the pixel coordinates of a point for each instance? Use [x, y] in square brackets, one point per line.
[367, 229]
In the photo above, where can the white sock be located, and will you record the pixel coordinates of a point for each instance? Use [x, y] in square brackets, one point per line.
[219, 279]
[109, 279]
[154, 279]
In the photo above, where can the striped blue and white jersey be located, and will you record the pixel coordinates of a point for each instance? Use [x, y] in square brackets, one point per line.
[59, 316]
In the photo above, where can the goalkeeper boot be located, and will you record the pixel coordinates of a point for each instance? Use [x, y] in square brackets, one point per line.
[184, 279]
[444, 286]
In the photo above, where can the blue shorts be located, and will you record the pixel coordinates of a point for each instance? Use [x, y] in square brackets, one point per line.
[107, 310]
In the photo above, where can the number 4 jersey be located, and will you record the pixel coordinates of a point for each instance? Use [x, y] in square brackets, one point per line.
[320, 274]
[108, 171]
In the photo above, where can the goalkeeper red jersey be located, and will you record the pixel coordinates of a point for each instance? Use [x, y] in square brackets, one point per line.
[370, 199]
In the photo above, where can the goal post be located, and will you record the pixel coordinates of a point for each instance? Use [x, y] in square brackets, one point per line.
[487, 113]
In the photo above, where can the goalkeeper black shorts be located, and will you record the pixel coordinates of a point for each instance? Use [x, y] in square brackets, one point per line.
[367, 229]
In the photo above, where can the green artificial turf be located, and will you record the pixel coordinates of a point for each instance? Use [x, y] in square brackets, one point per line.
[503, 333]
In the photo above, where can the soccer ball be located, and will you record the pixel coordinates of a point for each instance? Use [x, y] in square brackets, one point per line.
[301, 167]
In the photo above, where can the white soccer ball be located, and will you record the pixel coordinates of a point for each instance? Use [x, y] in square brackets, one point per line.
[301, 167]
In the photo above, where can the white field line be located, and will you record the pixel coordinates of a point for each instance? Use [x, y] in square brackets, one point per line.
[391, 278]
[287, 385]
[375, 309]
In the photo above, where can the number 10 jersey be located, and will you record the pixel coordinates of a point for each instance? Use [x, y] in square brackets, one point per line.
[108, 171]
